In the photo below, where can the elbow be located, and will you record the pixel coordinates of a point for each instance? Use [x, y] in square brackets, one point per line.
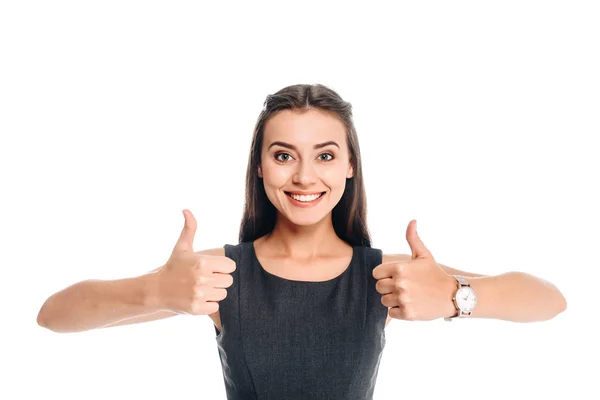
[51, 318]
[42, 319]
[561, 301]
[555, 298]
[563, 304]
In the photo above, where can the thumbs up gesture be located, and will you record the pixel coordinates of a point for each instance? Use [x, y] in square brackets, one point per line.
[418, 289]
[192, 283]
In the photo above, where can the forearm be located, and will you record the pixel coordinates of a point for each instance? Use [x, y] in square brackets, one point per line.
[516, 296]
[94, 304]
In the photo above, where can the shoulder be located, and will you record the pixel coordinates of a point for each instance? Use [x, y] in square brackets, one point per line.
[222, 251]
[376, 257]
[395, 258]
[219, 251]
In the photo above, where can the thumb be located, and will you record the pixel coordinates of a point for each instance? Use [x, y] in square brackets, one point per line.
[414, 241]
[186, 238]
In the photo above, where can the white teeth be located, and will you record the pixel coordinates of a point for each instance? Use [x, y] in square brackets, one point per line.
[305, 198]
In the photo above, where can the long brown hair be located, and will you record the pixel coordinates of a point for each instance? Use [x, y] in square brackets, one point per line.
[349, 216]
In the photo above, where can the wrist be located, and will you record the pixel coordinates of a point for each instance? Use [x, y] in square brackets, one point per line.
[464, 298]
[452, 287]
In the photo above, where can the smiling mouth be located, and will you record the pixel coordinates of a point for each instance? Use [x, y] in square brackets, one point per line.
[320, 195]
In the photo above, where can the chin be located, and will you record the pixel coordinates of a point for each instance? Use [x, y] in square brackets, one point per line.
[305, 218]
[302, 219]
[306, 221]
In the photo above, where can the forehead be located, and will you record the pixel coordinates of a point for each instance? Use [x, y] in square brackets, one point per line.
[304, 128]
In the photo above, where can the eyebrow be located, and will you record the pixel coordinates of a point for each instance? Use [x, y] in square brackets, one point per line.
[291, 146]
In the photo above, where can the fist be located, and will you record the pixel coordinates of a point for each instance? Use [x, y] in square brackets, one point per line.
[415, 289]
[193, 283]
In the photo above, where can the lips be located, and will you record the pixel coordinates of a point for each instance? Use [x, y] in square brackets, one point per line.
[304, 194]
[305, 204]
[298, 194]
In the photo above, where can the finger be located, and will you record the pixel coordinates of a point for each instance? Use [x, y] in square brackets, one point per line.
[397, 313]
[385, 286]
[186, 238]
[218, 264]
[418, 248]
[215, 294]
[221, 280]
[385, 270]
[390, 300]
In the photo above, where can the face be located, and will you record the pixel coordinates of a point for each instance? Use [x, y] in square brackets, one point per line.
[293, 160]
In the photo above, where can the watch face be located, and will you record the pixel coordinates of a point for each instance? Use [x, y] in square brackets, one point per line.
[466, 299]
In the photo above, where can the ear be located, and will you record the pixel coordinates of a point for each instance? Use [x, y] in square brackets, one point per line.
[350, 173]
[259, 172]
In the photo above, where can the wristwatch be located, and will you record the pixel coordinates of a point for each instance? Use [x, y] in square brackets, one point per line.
[464, 299]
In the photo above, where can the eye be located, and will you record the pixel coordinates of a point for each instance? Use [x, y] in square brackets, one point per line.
[281, 154]
[287, 155]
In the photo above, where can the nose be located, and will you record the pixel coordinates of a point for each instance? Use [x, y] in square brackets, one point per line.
[305, 175]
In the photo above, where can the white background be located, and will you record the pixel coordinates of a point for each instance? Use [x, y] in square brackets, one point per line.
[478, 119]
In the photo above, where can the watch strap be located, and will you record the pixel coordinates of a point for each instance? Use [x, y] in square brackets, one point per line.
[462, 282]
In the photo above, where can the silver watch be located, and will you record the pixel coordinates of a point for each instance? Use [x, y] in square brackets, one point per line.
[464, 299]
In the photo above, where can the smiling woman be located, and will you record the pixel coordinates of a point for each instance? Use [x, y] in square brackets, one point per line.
[301, 302]
[303, 240]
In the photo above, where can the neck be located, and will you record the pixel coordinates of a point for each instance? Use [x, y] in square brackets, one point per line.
[303, 242]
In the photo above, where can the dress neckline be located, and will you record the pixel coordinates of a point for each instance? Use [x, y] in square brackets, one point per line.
[293, 281]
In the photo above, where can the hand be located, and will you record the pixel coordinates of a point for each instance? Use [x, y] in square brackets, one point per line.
[192, 283]
[417, 290]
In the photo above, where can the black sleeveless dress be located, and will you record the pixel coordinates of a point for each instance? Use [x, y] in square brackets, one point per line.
[284, 339]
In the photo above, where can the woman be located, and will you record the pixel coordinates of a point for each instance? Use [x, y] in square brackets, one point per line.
[300, 304]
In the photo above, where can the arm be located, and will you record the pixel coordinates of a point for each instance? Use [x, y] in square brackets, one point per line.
[94, 304]
[452, 271]
[446, 269]
[512, 296]
[515, 296]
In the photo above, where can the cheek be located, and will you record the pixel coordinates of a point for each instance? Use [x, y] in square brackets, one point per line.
[274, 177]
[334, 176]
